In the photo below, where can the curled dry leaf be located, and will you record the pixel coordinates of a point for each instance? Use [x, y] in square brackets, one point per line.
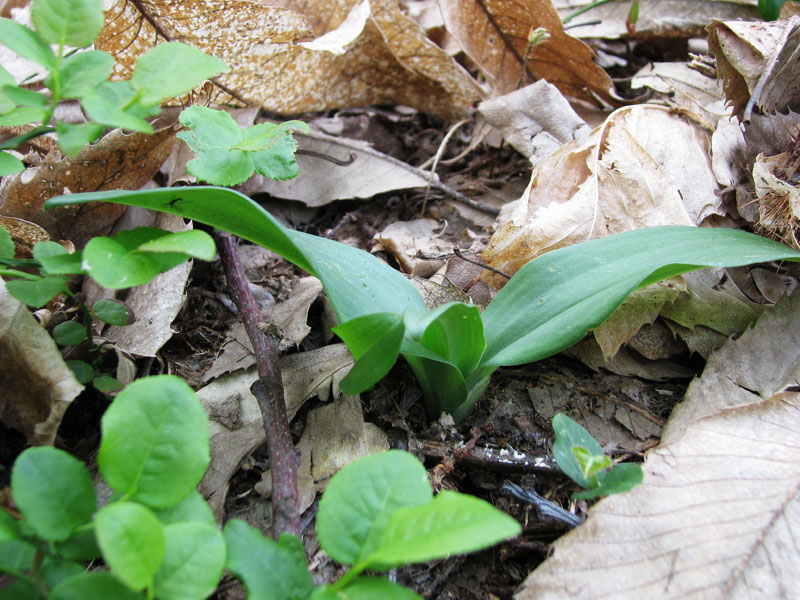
[388, 61]
[117, 161]
[410, 241]
[495, 35]
[758, 63]
[37, 386]
[778, 199]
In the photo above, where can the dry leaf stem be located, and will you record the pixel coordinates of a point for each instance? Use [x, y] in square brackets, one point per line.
[284, 459]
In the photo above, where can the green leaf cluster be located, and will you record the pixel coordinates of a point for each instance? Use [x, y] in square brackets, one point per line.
[582, 459]
[165, 71]
[549, 304]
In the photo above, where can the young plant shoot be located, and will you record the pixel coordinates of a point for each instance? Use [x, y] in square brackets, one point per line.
[549, 304]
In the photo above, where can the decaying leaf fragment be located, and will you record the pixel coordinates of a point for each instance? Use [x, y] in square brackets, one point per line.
[495, 35]
[779, 199]
[389, 60]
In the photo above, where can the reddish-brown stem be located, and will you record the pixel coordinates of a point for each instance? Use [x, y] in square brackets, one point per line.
[284, 459]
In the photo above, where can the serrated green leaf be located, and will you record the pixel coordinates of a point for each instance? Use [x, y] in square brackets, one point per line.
[22, 115]
[53, 491]
[95, 585]
[69, 333]
[361, 498]
[26, 43]
[37, 293]
[132, 541]
[213, 134]
[452, 523]
[83, 71]
[374, 340]
[72, 138]
[193, 562]
[277, 162]
[569, 435]
[155, 444]
[171, 69]
[68, 22]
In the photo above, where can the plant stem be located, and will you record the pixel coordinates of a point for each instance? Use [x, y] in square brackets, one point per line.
[284, 459]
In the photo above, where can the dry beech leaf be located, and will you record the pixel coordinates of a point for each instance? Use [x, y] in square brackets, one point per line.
[389, 61]
[407, 240]
[37, 386]
[758, 63]
[321, 181]
[494, 34]
[117, 161]
[645, 166]
[657, 18]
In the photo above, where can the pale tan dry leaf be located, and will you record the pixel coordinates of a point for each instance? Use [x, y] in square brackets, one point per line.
[117, 161]
[778, 200]
[645, 166]
[657, 18]
[391, 61]
[758, 63]
[494, 33]
[37, 386]
[717, 516]
[410, 241]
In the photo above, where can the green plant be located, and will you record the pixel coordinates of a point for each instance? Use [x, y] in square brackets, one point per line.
[376, 513]
[582, 460]
[547, 306]
[165, 71]
[770, 9]
[157, 535]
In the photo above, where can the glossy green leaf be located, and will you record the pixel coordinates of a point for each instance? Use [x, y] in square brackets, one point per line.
[6, 244]
[68, 22]
[269, 570]
[69, 333]
[568, 435]
[171, 69]
[94, 585]
[374, 341]
[195, 243]
[26, 43]
[83, 71]
[452, 523]
[453, 331]
[112, 266]
[132, 541]
[113, 312]
[361, 498]
[72, 138]
[193, 562]
[155, 443]
[53, 491]
[556, 298]
[39, 292]
[191, 508]
[620, 478]
[9, 164]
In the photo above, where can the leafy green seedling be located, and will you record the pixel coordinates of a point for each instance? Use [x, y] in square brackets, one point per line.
[165, 71]
[549, 304]
[377, 513]
[157, 535]
[582, 460]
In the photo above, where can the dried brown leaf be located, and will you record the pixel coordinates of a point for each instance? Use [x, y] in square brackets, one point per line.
[494, 33]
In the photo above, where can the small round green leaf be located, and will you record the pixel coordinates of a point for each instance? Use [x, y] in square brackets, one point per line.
[107, 384]
[155, 443]
[10, 164]
[193, 562]
[47, 250]
[9, 530]
[370, 588]
[95, 585]
[195, 242]
[53, 491]
[360, 499]
[114, 267]
[132, 541]
[113, 312]
[69, 333]
[83, 371]
[39, 292]
[68, 22]
[192, 508]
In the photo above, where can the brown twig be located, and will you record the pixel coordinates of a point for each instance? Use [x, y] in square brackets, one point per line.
[284, 459]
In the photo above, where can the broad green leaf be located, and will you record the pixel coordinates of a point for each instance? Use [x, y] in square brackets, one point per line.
[374, 341]
[132, 541]
[94, 585]
[21, 590]
[277, 162]
[83, 71]
[68, 22]
[21, 116]
[452, 523]
[83, 371]
[269, 570]
[441, 383]
[24, 97]
[212, 137]
[770, 9]
[171, 69]
[569, 435]
[73, 138]
[371, 588]
[191, 508]
[361, 499]
[356, 282]
[193, 562]
[9, 530]
[620, 478]
[62, 264]
[9, 164]
[16, 555]
[26, 43]
[556, 298]
[53, 491]
[113, 312]
[114, 267]
[38, 292]
[155, 444]
[195, 243]
[454, 332]
[69, 333]
[43, 250]
[105, 102]
[55, 570]
[7, 249]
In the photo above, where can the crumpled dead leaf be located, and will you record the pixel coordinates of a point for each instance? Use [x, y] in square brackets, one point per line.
[37, 386]
[409, 241]
[778, 199]
[495, 33]
[389, 61]
[758, 63]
